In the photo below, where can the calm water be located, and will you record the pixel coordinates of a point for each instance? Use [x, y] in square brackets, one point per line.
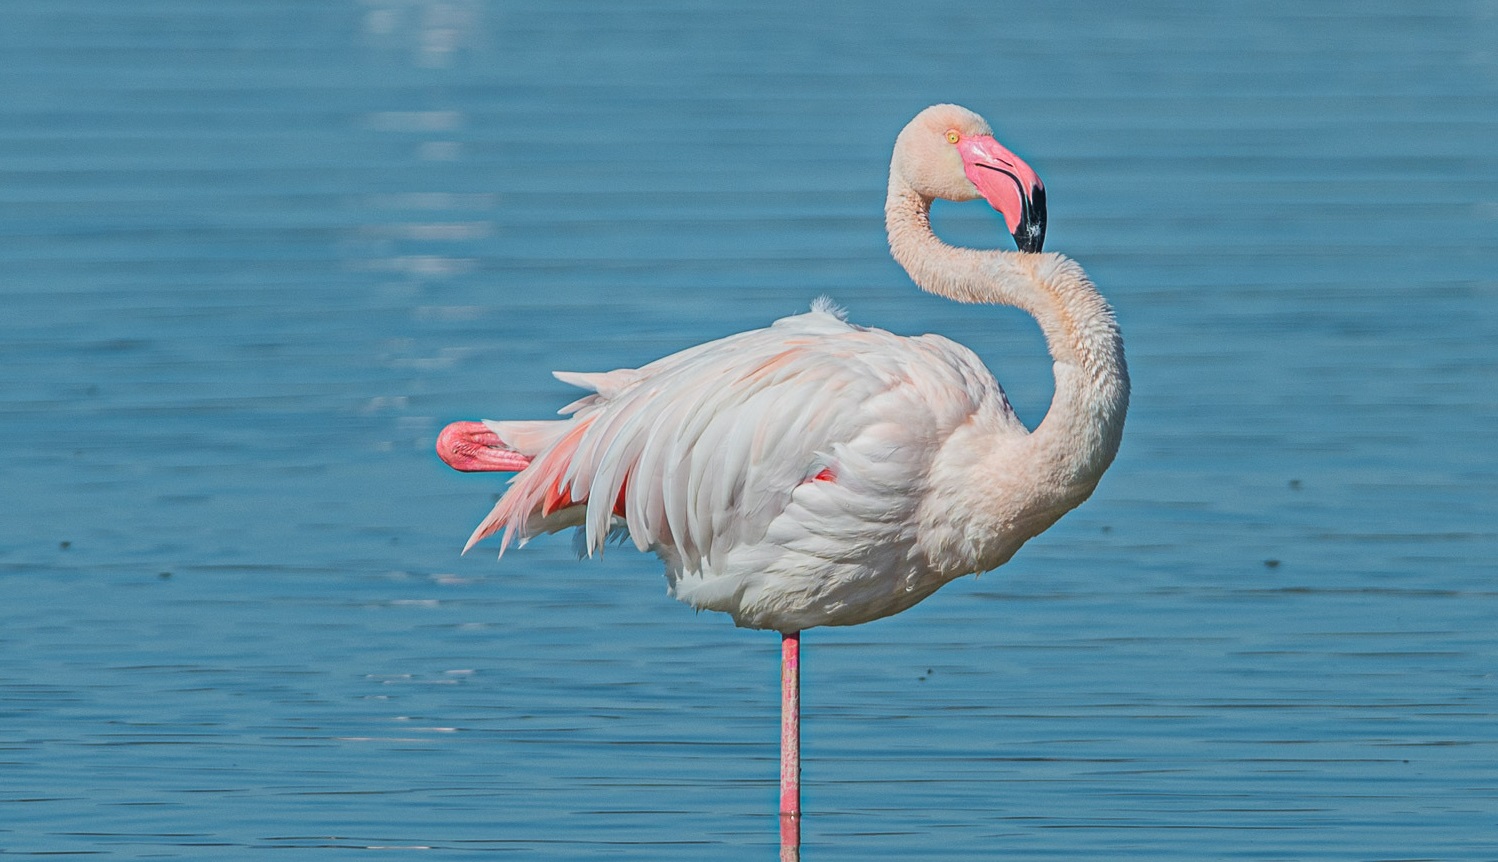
[254, 254]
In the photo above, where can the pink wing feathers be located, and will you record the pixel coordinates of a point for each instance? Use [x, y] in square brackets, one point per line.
[811, 437]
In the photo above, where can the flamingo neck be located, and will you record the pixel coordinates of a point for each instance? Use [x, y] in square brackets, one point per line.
[1080, 434]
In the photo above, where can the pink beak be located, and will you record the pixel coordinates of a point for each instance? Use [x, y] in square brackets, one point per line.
[1009, 185]
[473, 448]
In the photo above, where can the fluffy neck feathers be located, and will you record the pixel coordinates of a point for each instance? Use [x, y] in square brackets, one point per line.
[1080, 434]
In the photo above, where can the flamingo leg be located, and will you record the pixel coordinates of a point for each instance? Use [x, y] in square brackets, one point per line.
[790, 747]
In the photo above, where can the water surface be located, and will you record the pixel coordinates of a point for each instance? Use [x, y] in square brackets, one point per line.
[253, 255]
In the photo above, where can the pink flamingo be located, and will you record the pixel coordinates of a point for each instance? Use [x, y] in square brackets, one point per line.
[818, 473]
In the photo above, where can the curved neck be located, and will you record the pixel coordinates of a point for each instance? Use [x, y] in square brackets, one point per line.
[1080, 433]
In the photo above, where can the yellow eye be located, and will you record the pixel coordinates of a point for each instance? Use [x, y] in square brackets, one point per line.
[952, 136]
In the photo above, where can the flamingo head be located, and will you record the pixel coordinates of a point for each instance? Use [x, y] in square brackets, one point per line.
[473, 447]
[949, 152]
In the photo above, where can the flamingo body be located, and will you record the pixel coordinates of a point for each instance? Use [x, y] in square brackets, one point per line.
[815, 472]
[789, 476]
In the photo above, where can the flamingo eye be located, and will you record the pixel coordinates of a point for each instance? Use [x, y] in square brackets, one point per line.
[952, 136]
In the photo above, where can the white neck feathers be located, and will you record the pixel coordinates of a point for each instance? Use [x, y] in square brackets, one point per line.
[1082, 428]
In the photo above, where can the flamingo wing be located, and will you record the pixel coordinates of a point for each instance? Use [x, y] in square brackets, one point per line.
[811, 438]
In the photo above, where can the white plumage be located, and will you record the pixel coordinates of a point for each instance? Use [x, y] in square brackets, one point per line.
[714, 453]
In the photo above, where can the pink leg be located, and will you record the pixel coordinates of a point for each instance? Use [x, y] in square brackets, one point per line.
[790, 747]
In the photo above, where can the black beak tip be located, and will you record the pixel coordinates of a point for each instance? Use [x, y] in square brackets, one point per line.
[1030, 236]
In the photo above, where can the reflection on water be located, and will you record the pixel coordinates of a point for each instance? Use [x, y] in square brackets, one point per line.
[431, 32]
[255, 255]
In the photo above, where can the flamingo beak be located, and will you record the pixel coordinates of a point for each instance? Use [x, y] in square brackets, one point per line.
[472, 448]
[1009, 185]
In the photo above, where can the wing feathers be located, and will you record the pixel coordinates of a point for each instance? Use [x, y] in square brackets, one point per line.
[705, 455]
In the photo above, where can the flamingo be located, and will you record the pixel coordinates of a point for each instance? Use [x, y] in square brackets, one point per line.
[820, 473]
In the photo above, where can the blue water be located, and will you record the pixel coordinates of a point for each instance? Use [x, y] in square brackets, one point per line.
[254, 254]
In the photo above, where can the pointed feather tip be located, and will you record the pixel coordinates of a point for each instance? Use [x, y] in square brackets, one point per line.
[579, 379]
[472, 540]
[825, 305]
[483, 531]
